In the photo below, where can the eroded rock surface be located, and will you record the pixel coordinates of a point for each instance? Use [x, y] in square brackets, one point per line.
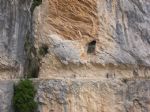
[84, 95]
[14, 24]
[6, 95]
[98, 54]
[137, 96]
[93, 96]
[119, 27]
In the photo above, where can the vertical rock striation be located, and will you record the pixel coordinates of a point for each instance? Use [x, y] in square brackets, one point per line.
[97, 54]
[14, 24]
[6, 96]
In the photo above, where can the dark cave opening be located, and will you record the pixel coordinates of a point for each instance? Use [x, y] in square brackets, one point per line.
[91, 47]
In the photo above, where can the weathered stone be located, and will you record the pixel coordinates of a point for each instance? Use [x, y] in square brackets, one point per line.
[137, 96]
[114, 77]
[6, 95]
[14, 24]
[84, 95]
[120, 28]
[76, 96]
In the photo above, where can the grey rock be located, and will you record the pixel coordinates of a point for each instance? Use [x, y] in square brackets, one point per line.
[64, 95]
[130, 26]
[137, 96]
[65, 50]
[6, 95]
[52, 90]
[112, 95]
[133, 31]
[14, 24]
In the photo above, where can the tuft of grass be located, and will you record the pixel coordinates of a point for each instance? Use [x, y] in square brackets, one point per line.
[24, 93]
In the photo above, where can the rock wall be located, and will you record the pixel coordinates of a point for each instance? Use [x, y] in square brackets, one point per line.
[6, 96]
[14, 24]
[84, 95]
[119, 28]
[94, 95]
[98, 56]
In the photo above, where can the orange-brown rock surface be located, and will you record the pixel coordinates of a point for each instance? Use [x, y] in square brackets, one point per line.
[92, 55]
[118, 29]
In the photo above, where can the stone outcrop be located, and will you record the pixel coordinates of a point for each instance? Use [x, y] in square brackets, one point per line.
[85, 95]
[98, 56]
[15, 22]
[119, 27]
[120, 30]
[6, 95]
[93, 95]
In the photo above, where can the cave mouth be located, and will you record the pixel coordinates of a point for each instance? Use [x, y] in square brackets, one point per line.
[91, 47]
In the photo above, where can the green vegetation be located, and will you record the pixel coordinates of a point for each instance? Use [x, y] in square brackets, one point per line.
[43, 49]
[34, 4]
[24, 93]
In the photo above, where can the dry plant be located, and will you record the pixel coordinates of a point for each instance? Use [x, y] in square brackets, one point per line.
[74, 19]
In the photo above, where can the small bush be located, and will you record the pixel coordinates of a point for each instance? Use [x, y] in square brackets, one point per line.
[24, 94]
[43, 50]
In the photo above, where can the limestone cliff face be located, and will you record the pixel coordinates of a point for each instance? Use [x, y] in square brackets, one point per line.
[82, 95]
[98, 57]
[119, 28]
[6, 95]
[14, 25]
[93, 96]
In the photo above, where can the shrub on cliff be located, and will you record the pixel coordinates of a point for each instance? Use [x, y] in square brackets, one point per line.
[24, 93]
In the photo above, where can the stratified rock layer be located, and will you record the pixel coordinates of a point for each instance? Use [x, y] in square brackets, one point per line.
[112, 75]
[119, 27]
[85, 95]
[94, 95]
